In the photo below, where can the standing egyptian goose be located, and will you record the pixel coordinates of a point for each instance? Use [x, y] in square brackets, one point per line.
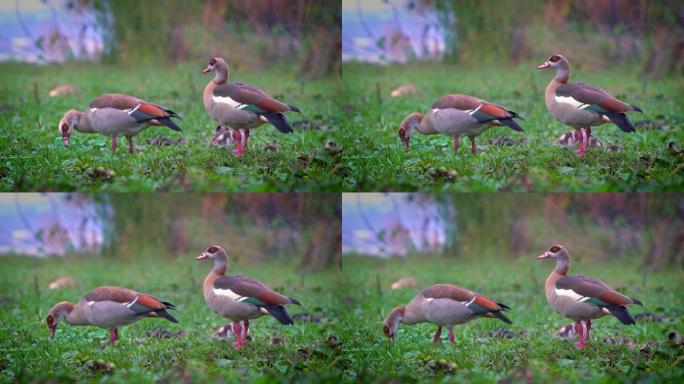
[581, 105]
[115, 115]
[458, 115]
[241, 106]
[240, 298]
[110, 308]
[582, 298]
[443, 305]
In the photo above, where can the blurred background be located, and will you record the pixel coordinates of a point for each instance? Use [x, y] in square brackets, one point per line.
[256, 227]
[597, 227]
[255, 33]
[649, 34]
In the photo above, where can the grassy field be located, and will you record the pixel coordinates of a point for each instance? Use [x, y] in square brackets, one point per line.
[375, 160]
[337, 334]
[34, 159]
[311, 347]
[533, 358]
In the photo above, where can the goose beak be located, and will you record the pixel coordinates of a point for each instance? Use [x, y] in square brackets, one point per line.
[545, 65]
[52, 332]
[202, 256]
[546, 255]
[207, 69]
[65, 140]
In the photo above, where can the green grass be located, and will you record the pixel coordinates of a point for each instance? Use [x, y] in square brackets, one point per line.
[28, 354]
[34, 159]
[375, 160]
[350, 307]
[477, 357]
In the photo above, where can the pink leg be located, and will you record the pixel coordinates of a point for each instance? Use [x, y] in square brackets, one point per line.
[588, 322]
[238, 143]
[131, 148]
[582, 145]
[581, 344]
[588, 138]
[113, 335]
[457, 141]
[113, 143]
[437, 335]
[246, 139]
[239, 340]
[452, 338]
[473, 148]
[246, 323]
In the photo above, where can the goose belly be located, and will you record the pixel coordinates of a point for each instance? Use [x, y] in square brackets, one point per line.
[575, 117]
[114, 122]
[446, 312]
[109, 314]
[233, 310]
[235, 118]
[576, 310]
[452, 121]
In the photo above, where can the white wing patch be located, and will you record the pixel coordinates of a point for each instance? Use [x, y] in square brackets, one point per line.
[470, 302]
[571, 294]
[571, 101]
[132, 302]
[228, 101]
[475, 110]
[130, 111]
[229, 294]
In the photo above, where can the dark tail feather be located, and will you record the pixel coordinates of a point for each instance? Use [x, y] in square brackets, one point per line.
[294, 301]
[504, 306]
[511, 124]
[620, 119]
[166, 315]
[279, 312]
[501, 317]
[278, 121]
[168, 305]
[636, 108]
[636, 301]
[169, 123]
[294, 109]
[620, 311]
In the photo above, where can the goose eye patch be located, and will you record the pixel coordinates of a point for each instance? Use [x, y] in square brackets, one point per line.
[212, 62]
[212, 249]
[554, 249]
[65, 127]
[554, 58]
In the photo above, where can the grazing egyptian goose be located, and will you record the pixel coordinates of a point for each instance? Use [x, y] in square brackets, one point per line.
[443, 305]
[240, 106]
[115, 115]
[581, 105]
[110, 308]
[582, 298]
[458, 115]
[240, 298]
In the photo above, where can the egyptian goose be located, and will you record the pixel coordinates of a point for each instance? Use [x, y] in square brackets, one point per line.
[115, 115]
[581, 105]
[443, 305]
[582, 298]
[241, 106]
[240, 298]
[458, 115]
[108, 307]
